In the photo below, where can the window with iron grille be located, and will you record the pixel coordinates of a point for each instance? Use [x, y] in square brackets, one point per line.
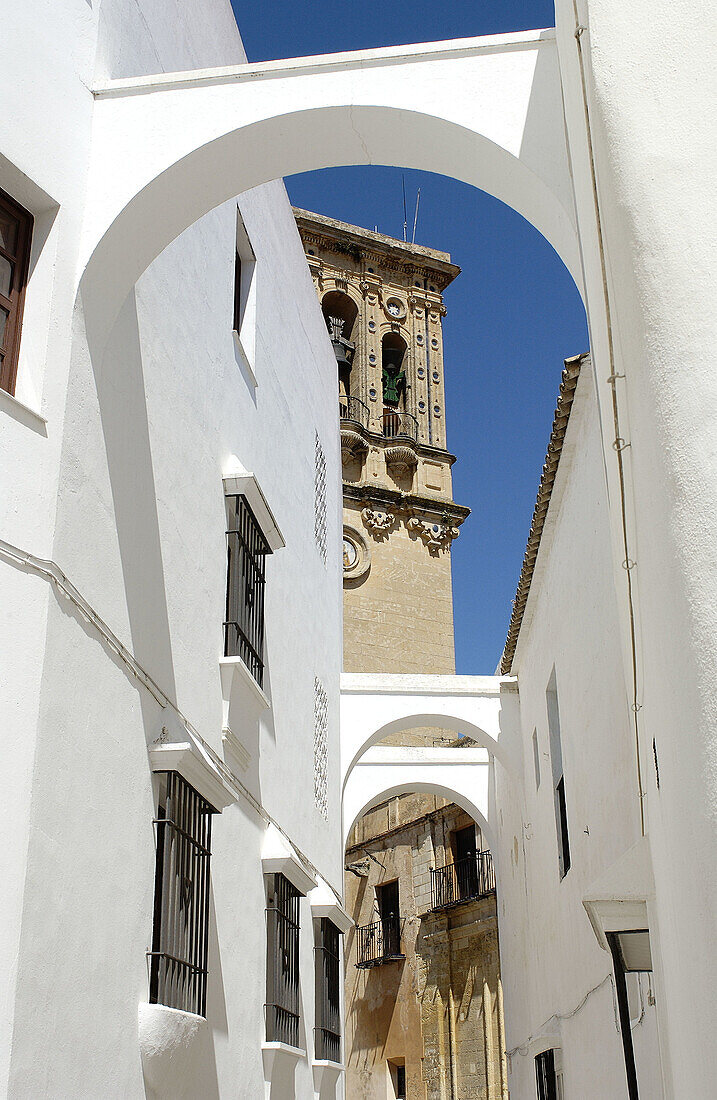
[15, 235]
[282, 961]
[178, 959]
[246, 553]
[328, 1017]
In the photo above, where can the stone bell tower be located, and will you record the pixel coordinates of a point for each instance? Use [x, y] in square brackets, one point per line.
[383, 304]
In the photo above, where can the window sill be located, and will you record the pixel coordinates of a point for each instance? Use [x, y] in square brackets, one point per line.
[231, 667]
[325, 1073]
[284, 1049]
[243, 359]
[169, 1042]
[22, 412]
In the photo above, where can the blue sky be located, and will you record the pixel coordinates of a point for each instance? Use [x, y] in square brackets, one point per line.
[513, 316]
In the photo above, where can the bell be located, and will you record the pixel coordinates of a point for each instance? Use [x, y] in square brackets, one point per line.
[343, 349]
[344, 352]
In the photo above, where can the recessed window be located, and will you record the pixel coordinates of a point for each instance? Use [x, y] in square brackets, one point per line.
[548, 1076]
[178, 959]
[15, 237]
[536, 759]
[246, 555]
[282, 961]
[245, 294]
[397, 1074]
[556, 761]
[328, 1008]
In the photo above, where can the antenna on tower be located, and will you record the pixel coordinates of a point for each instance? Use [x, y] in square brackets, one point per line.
[405, 217]
[415, 216]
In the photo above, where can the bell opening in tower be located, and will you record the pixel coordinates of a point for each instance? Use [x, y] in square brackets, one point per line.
[340, 314]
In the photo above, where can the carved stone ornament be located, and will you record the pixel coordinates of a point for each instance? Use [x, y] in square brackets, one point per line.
[353, 445]
[356, 554]
[436, 536]
[401, 458]
[380, 524]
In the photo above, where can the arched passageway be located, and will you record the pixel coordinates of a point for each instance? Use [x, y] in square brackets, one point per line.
[168, 149]
[461, 775]
[484, 708]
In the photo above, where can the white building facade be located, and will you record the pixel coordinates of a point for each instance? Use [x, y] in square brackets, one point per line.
[114, 593]
[173, 377]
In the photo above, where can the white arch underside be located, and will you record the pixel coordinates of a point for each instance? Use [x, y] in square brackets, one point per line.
[165, 155]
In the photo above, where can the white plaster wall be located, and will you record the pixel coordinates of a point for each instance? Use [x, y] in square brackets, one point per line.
[652, 93]
[549, 954]
[130, 503]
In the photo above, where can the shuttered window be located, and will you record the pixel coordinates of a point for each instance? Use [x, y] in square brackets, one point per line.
[15, 236]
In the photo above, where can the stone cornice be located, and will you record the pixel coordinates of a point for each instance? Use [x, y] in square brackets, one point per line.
[365, 245]
[568, 384]
[408, 504]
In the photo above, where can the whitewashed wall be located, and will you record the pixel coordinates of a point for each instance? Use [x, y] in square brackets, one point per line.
[121, 484]
[549, 953]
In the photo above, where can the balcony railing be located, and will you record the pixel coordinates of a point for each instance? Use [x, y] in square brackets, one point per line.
[472, 877]
[379, 942]
[351, 408]
[399, 425]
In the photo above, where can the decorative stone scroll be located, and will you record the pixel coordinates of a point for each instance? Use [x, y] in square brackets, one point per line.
[436, 536]
[380, 524]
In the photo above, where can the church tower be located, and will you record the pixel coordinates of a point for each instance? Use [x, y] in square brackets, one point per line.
[383, 304]
[422, 989]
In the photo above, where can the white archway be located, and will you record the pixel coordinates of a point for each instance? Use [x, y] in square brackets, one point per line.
[484, 708]
[462, 775]
[169, 148]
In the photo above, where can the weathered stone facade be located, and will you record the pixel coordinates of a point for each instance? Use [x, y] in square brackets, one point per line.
[434, 1014]
[439, 1012]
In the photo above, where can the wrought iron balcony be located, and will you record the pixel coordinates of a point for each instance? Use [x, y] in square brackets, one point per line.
[464, 880]
[399, 425]
[353, 410]
[379, 943]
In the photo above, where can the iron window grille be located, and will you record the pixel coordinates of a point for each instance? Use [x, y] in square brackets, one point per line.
[282, 959]
[178, 959]
[328, 1012]
[246, 553]
[15, 238]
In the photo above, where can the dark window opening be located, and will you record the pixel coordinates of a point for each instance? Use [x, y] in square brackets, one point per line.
[380, 942]
[545, 1075]
[466, 862]
[178, 959]
[15, 238]
[328, 1009]
[282, 961]
[556, 761]
[238, 301]
[398, 1077]
[563, 839]
[246, 553]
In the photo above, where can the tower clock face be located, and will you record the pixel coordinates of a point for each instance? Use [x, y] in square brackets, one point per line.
[394, 308]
